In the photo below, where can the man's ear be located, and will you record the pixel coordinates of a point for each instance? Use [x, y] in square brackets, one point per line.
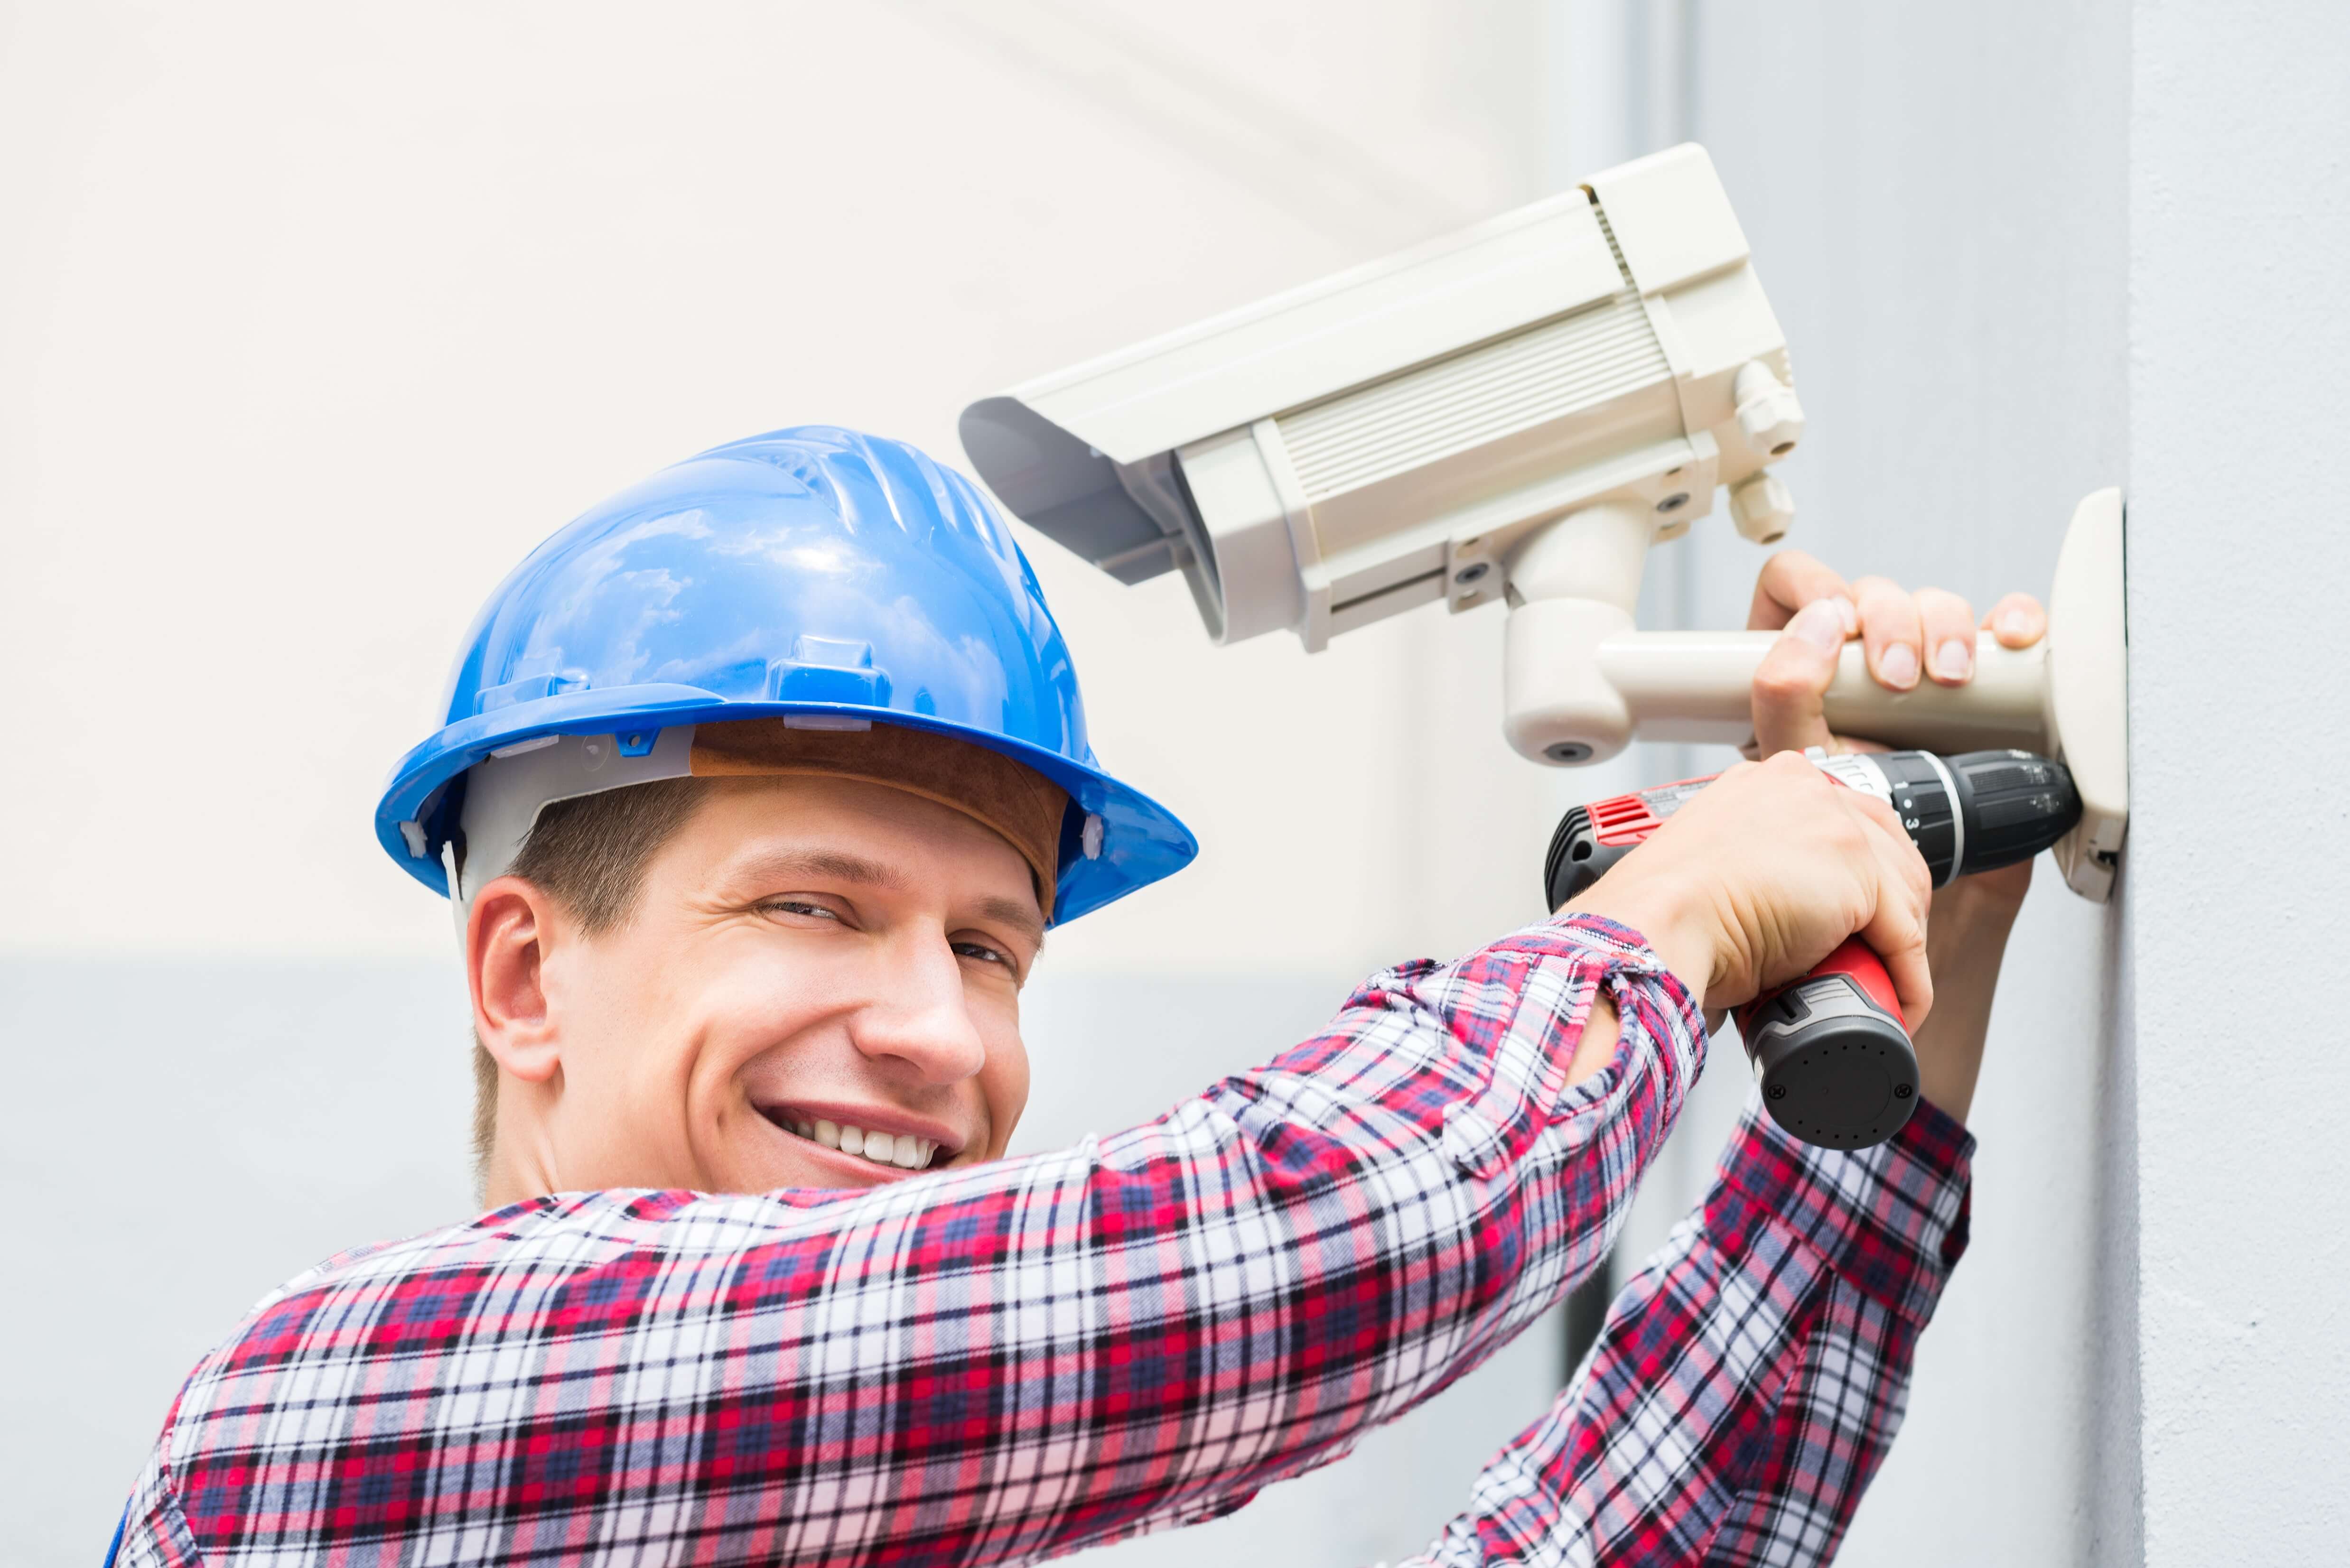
[506, 941]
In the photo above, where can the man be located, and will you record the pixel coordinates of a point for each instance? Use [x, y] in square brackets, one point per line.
[760, 786]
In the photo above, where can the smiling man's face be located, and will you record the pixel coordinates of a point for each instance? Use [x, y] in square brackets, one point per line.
[814, 972]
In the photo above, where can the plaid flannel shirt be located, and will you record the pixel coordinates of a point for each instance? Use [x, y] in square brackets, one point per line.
[997, 1364]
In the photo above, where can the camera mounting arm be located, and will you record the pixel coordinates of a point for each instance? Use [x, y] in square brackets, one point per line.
[1579, 680]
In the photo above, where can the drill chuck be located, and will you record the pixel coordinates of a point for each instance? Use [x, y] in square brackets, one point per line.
[1974, 812]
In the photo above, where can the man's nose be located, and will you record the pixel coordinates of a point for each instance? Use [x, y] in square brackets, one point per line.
[918, 1015]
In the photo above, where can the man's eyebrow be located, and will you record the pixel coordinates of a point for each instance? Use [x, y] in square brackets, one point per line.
[832, 864]
[1022, 918]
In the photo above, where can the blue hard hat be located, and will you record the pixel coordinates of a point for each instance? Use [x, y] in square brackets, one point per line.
[809, 571]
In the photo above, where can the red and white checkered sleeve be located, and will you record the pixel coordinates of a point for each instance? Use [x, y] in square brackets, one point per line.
[985, 1365]
[1748, 1380]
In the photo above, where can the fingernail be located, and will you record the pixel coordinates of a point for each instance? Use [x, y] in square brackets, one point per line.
[1849, 611]
[1818, 624]
[1898, 668]
[2014, 623]
[1954, 660]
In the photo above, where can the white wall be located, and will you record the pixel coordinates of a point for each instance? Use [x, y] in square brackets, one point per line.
[318, 317]
[2240, 219]
[313, 319]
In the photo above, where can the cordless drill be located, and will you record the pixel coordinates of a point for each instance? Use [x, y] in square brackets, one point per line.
[1831, 1048]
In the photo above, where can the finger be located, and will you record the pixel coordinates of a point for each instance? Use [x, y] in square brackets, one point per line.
[2017, 621]
[1902, 861]
[1791, 684]
[1790, 580]
[1902, 897]
[1905, 965]
[1897, 933]
[1947, 624]
[1890, 629]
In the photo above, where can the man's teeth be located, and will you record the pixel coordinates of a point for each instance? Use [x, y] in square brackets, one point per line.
[903, 1150]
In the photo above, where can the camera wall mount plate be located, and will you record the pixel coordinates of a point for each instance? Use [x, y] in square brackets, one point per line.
[2088, 691]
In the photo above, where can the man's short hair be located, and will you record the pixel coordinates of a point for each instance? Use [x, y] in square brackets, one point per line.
[588, 854]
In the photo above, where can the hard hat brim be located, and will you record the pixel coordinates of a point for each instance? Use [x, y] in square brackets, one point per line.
[1139, 842]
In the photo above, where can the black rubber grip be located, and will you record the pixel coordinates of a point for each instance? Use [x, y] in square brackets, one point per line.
[2009, 806]
[1575, 858]
[2015, 803]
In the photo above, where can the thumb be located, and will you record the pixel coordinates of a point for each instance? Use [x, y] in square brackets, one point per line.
[1790, 685]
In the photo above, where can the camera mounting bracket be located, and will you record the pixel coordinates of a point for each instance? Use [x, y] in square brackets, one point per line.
[1579, 680]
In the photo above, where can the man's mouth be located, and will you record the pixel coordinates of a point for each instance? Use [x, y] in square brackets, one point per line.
[901, 1151]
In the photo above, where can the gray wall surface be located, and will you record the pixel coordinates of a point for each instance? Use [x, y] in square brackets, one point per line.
[1937, 199]
[1938, 202]
[188, 1133]
[2240, 219]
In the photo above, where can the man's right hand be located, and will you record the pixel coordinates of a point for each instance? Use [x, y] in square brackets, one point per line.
[1762, 874]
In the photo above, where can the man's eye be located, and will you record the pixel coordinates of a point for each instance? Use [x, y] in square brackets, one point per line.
[800, 906]
[982, 952]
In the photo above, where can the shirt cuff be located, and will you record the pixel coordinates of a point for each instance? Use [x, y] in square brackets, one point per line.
[1891, 1221]
[1521, 1005]
[1624, 952]
[1654, 1009]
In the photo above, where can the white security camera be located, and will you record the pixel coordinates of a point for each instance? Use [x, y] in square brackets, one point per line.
[1513, 413]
